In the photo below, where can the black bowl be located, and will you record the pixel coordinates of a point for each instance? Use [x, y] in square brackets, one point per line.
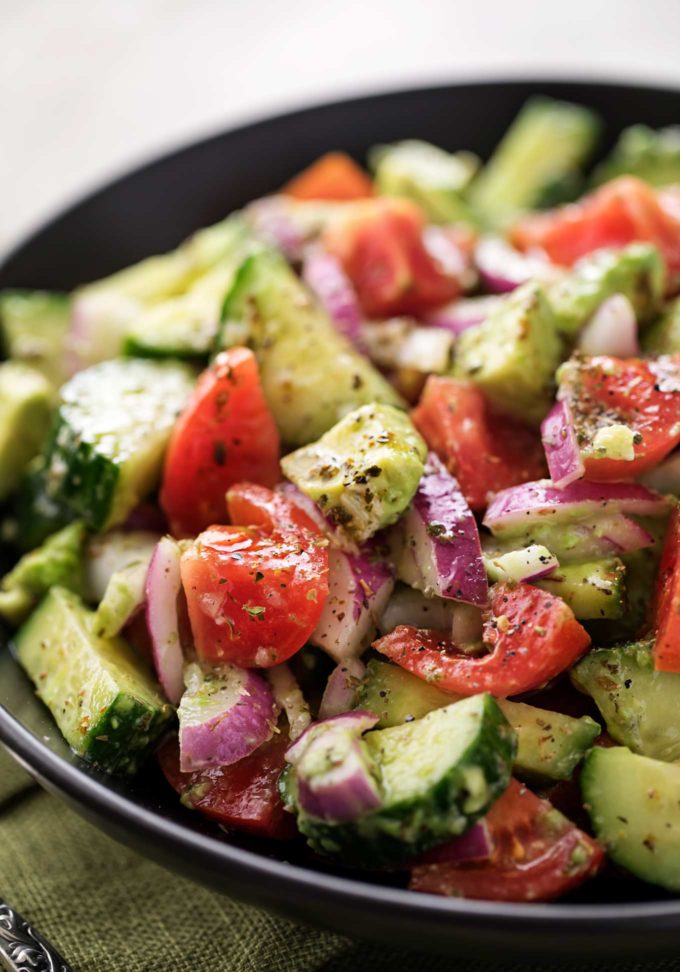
[149, 211]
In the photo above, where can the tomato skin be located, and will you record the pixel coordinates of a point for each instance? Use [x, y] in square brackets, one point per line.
[486, 452]
[383, 252]
[243, 796]
[335, 177]
[537, 856]
[643, 395]
[622, 211]
[226, 434]
[667, 601]
[254, 597]
[532, 636]
[251, 505]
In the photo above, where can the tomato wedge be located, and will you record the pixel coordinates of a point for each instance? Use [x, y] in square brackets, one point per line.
[620, 212]
[382, 247]
[226, 434]
[485, 451]
[667, 601]
[254, 597]
[532, 636]
[538, 855]
[243, 796]
[335, 176]
[643, 395]
[252, 505]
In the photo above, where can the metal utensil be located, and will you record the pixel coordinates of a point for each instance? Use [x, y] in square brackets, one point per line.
[23, 949]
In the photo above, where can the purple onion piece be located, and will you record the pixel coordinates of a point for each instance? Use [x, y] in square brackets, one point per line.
[476, 844]
[163, 585]
[271, 220]
[502, 268]
[225, 714]
[356, 722]
[460, 315]
[288, 696]
[562, 453]
[359, 588]
[519, 508]
[611, 330]
[342, 793]
[324, 275]
[340, 687]
[440, 551]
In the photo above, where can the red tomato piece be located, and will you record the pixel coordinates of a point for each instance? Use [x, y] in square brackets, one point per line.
[252, 505]
[644, 395]
[254, 598]
[667, 601]
[532, 636]
[485, 451]
[335, 176]
[622, 211]
[243, 796]
[538, 855]
[226, 434]
[383, 249]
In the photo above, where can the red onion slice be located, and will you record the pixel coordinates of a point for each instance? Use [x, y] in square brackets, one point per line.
[324, 275]
[527, 564]
[462, 314]
[502, 268]
[356, 722]
[340, 688]
[611, 330]
[476, 844]
[558, 435]
[288, 696]
[163, 584]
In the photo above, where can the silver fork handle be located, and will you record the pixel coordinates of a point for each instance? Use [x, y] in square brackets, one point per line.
[23, 949]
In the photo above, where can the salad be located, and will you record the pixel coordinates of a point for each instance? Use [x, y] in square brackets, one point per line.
[358, 511]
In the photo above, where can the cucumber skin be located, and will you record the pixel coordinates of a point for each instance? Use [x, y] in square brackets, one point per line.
[394, 834]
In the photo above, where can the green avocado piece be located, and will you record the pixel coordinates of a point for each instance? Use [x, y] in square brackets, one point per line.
[363, 472]
[641, 706]
[436, 776]
[106, 447]
[513, 354]
[34, 325]
[538, 162]
[105, 702]
[592, 590]
[310, 374]
[634, 807]
[58, 562]
[430, 176]
[636, 271]
[648, 153]
[549, 745]
[663, 337]
[25, 413]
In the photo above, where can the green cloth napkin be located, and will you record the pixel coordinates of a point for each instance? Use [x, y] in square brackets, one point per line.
[109, 910]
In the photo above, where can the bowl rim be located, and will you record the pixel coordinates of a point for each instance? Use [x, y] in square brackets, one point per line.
[72, 780]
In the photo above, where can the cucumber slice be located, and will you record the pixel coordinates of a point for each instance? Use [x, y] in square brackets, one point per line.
[436, 775]
[107, 706]
[106, 448]
[634, 806]
[34, 325]
[549, 745]
[640, 706]
[593, 590]
[25, 411]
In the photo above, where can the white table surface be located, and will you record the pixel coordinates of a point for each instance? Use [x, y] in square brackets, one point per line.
[88, 87]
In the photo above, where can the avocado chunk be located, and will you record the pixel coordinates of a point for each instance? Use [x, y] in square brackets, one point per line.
[310, 374]
[538, 162]
[634, 807]
[636, 271]
[513, 354]
[106, 447]
[648, 153]
[363, 472]
[549, 745]
[106, 310]
[430, 176]
[25, 412]
[663, 337]
[436, 776]
[107, 706]
[58, 562]
[640, 706]
[592, 590]
[34, 326]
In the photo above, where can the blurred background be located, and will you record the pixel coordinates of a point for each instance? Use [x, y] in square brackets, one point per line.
[88, 87]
